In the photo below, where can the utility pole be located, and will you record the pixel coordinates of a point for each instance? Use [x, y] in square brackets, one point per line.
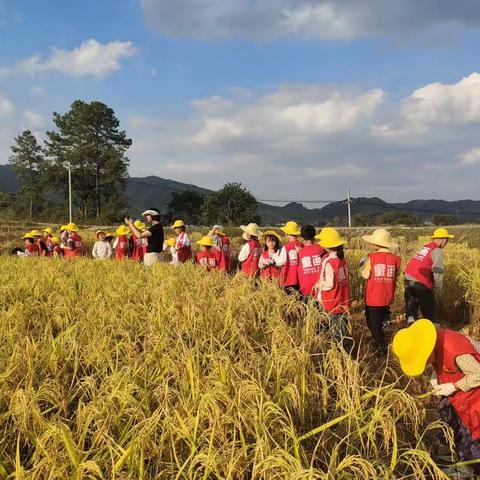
[349, 201]
[70, 192]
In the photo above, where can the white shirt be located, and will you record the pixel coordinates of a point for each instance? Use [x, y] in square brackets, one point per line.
[102, 250]
[244, 252]
[182, 241]
[327, 278]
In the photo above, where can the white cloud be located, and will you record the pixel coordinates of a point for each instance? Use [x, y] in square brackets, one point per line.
[33, 120]
[6, 106]
[90, 58]
[37, 90]
[471, 157]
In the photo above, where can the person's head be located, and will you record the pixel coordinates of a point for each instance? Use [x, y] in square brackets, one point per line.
[37, 234]
[331, 241]
[55, 240]
[109, 237]
[307, 233]
[15, 251]
[101, 235]
[291, 230]
[206, 243]
[178, 227]
[122, 231]
[217, 230]
[47, 233]
[272, 243]
[28, 239]
[251, 232]
[152, 215]
[380, 238]
[441, 236]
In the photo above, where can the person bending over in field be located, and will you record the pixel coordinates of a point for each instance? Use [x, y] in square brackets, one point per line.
[333, 288]
[456, 379]
[380, 269]
[423, 274]
[205, 257]
[266, 263]
[154, 236]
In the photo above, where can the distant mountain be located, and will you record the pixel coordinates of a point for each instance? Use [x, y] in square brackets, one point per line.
[144, 192]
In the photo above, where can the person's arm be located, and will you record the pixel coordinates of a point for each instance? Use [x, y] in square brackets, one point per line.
[471, 369]
[366, 269]
[280, 258]
[244, 253]
[262, 262]
[437, 267]
[328, 280]
[94, 251]
[145, 234]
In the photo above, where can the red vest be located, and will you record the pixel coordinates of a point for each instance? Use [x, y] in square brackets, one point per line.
[272, 271]
[289, 270]
[183, 253]
[138, 248]
[451, 344]
[67, 253]
[420, 266]
[78, 241]
[337, 300]
[207, 259]
[309, 262]
[250, 265]
[57, 251]
[42, 248]
[121, 251]
[32, 249]
[380, 288]
[223, 255]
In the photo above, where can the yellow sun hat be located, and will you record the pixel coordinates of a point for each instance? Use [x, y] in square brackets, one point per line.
[442, 233]
[206, 241]
[291, 228]
[139, 225]
[36, 233]
[48, 230]
[272, 233]
[178, 224]
[170, 242]
[55, 240]
[413, 346]
[28, 235]
[323, 231]
[123, 230]
[218, 230]
[63, 228]
[252, 229]
[331, 239]
[382, 238]
[71, 227]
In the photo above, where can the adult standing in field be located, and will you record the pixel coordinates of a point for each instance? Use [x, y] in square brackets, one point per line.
[380, 269]
[423, 274]
[154, 235]
[250, 253]
[222, 248]
[309, 261]
[183, 247]
[288, 257]
[456, 378]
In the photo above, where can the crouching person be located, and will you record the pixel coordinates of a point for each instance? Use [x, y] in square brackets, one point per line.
[456, 378]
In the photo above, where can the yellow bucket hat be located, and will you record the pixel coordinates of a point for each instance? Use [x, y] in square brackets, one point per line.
[48, 230]
[273, 233]
[123, 230]
[442, 233]
[139, 225]
[55, 240]
[71, 227]
[63, 228]
[36, 233]
[291, 228]
[413, 346]
[382, 238]
[331, 239]
[206, 241]
[323, 231]
[170, 242]
[28, 235]
[178, 224]
[252, 229]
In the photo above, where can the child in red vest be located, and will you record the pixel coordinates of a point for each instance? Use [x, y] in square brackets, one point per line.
[121, 243]
[182, 244]
[57, 251]
[205, 257]
[31, 248]
[423, 273]
[70, 251]
[266, 263]
[333, 288]
[288, 257]
[250, 253]
[309, 261]
[138, 243]
[380, 270]
[456, 378]
[73, 234]
[222, 248]
[42, 248]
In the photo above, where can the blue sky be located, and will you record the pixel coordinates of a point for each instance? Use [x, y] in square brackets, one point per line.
[294, 98]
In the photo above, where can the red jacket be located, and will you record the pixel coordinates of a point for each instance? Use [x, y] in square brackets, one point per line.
[309, 262]
[250, 265]
[449, 345]
[420, 266]
[207, 259]
[380, 288]
[337, 300]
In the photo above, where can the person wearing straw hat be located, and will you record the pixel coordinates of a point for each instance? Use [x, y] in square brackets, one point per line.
[205, 257]
[138, 244]
[456, 378]
[169, 244]
[380, 270]
[222, 248]
[182, 243]
[63, 235]
[47, 236]
[154, 236]
[333, 288]
[423, 274]
[288, 257]
[57, 251]
[309, 261]
[42, 248]
[121, 245]
[250, 253]
[31, 248]
[266, 263]
[101, 248]
[77, 239]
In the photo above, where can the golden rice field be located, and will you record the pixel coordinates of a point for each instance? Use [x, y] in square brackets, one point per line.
[109, 370]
